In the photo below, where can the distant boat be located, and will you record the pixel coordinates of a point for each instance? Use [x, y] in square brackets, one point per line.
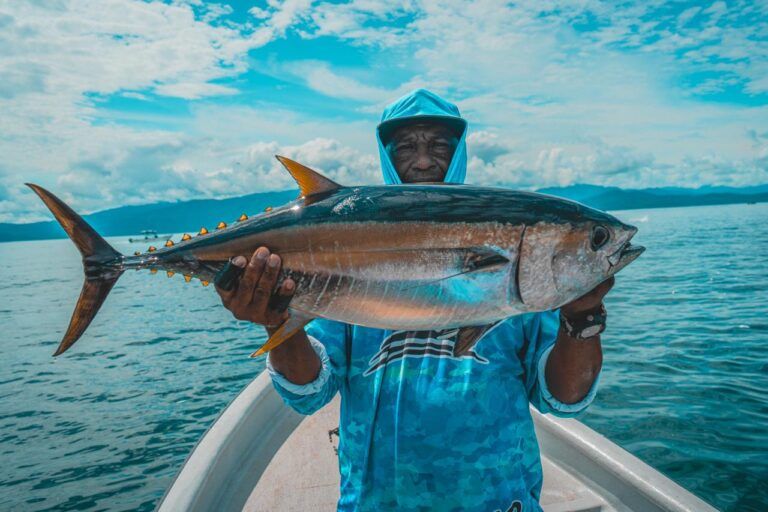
[149, 235]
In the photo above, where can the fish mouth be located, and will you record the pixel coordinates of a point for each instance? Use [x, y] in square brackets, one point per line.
[625, 255]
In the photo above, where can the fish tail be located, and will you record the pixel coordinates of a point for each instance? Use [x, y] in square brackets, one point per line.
[102, 265]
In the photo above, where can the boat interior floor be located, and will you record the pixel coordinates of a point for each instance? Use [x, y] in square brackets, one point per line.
[304, 475]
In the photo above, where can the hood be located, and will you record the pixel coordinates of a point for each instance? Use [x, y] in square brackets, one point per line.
[427, 105]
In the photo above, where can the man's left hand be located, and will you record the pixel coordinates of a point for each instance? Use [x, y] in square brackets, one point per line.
[589, 301]
[573, 365]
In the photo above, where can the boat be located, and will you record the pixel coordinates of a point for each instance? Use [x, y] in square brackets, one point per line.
[260, 455]
[149, 235]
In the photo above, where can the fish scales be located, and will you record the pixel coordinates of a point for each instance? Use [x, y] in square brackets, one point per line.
[426, 247]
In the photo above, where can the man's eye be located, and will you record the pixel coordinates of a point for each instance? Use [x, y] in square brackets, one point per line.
[404, 147]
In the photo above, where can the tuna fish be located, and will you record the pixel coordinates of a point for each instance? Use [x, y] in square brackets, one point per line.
[401, 257]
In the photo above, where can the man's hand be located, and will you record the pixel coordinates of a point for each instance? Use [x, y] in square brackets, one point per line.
[248, 288]
[589, 301]
[573, 365]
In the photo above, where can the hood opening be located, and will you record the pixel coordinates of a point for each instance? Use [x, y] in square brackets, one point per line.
[423, 105]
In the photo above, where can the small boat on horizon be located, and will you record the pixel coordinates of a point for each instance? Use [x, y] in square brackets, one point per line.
[149, 235]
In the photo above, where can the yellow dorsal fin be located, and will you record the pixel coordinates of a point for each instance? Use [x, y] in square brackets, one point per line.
[203, 231]
[152, 248]
[205, 283]
[187, 277]
[221, 225]
[268, 209]
[169, 243]
[310, 182]
[186, 237]
[242, 218]
[153, 271]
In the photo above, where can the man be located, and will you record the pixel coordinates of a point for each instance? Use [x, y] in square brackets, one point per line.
[422, 428]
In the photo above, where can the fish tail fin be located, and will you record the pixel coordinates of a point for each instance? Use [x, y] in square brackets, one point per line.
[102, 265]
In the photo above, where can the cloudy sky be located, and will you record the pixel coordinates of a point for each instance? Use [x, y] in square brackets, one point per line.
[113, 102]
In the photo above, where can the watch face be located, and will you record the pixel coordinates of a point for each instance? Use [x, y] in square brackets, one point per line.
[592, 330]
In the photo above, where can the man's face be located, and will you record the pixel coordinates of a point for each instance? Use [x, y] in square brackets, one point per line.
[422, 152]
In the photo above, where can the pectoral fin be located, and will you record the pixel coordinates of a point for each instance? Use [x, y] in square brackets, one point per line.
[287, 329]
[469, 336]
[478, 259]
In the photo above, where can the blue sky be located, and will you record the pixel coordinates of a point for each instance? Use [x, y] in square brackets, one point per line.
[125, 102]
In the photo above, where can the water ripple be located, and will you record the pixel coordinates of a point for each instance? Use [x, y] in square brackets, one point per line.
[107, 426]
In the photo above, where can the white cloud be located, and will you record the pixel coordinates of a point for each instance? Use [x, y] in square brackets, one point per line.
[548, 104]
[54, 55]
[523, 72]
[318, 76]
[183, 168]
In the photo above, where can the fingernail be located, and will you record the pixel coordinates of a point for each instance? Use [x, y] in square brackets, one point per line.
[262, 253]
[273, 261]
[289, 285]
[239, 261]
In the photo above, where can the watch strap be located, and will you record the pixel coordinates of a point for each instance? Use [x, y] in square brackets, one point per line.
[586, 325]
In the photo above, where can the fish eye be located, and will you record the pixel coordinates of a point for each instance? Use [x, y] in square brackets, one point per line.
[600, 237]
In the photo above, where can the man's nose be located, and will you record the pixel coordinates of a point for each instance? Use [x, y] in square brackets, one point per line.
[423, 159]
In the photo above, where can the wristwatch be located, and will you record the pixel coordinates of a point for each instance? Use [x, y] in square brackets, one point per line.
[586, 326]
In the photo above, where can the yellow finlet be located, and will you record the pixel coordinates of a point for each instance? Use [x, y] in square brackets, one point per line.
[268, 209]
[169, 243]
[186, 237]
[242, 218]
[153, 271]
[170, 273]
[310, 182]
[203, 231]
[152, 248]
[221, 225]
[287, 329]
[187, 277]
[204, 283]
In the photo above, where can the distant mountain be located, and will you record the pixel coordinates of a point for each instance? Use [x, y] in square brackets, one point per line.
[613, 198]
[182, 216]
[189, 216]
[581, 193]
[709, 189]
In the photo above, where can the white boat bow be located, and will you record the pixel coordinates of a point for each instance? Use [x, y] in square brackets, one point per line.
[261, 455]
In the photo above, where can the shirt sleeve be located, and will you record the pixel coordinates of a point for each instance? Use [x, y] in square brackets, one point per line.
[328, 342]
[540, 332]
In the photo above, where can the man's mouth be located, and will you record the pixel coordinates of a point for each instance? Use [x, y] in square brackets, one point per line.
[429, 176]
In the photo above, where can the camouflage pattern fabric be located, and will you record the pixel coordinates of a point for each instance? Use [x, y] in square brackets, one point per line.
[421, 429]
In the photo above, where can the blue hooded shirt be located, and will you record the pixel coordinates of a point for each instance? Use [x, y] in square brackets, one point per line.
[421, 428]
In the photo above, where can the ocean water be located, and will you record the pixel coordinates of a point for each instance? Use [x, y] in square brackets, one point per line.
[107, 425]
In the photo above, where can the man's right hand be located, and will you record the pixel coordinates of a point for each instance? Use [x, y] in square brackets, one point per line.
[248, 289]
